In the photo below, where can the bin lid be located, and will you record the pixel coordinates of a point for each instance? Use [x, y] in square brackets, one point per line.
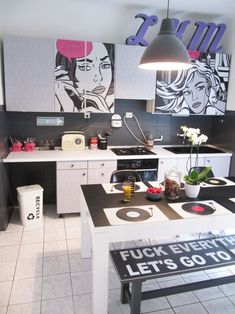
[29, 189]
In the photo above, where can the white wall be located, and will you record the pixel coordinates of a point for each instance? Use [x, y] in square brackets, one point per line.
[106, 20]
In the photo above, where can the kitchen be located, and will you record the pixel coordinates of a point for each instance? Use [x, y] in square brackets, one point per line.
[112, 23]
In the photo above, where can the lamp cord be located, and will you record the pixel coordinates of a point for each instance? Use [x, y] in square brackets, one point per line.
[167, 13]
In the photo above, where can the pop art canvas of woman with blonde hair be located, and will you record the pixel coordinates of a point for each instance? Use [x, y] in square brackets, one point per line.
[202, 89]
[84, 76]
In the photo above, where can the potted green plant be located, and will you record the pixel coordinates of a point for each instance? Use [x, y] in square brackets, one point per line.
[193, 178]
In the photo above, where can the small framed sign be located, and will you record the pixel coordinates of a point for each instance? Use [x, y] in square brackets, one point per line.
[49, 121]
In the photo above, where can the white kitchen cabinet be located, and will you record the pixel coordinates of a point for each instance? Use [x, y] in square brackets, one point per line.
[100, 171]
[29, 73]
[131, 82]
[70, 175]
[164, 165]
[220, 165]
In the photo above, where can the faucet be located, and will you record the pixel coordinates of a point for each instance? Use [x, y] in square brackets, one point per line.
[160, 139]
[151, 140]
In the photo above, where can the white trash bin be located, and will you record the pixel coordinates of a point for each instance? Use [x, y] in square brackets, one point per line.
[30, 200]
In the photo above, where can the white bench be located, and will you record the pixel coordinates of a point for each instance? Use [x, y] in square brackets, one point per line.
[136, 265]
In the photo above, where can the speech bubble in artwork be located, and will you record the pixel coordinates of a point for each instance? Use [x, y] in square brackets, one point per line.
[194, 54]
[73, 48]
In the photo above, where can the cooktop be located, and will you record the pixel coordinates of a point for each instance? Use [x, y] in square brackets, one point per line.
[132, 151]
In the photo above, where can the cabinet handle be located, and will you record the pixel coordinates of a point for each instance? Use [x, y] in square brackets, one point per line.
[102, 174]
[72, 165]
[161, 162]
[84, 174]
[102, 165]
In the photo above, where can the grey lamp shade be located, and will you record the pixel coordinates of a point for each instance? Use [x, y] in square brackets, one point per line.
[166, 52]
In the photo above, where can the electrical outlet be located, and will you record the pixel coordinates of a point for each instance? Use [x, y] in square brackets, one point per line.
[87, 115]
[129, 115]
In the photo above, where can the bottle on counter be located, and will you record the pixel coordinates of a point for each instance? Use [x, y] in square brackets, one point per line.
[94, 143]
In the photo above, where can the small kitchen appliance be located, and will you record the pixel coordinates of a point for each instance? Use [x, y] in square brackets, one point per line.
[73, 140]
[122, 151]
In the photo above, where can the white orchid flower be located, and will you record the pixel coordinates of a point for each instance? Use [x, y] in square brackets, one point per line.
[191, 132]
[194, 138]
[184, 128]
[202, 139]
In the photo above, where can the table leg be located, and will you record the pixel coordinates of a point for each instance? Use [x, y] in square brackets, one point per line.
[85, 230]
[100, 271]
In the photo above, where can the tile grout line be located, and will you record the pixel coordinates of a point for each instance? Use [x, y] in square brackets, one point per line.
[70, 272]
[13, 279]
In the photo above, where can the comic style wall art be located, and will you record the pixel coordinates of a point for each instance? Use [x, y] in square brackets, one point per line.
[84, 76]
[201, 89]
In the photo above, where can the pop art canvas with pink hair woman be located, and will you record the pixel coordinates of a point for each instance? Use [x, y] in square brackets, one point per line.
[202, 89]
[84, 76]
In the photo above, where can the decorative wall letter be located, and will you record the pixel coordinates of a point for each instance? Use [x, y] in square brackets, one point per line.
[138, 39]
[203, 39]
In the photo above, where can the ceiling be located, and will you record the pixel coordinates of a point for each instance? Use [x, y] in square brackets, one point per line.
[206, 7]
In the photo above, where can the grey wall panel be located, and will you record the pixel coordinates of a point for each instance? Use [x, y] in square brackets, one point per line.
[29, 73]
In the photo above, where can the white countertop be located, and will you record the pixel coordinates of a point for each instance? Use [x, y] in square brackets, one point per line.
[88, 154]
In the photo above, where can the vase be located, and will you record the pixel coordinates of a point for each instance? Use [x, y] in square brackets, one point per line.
[192, 191]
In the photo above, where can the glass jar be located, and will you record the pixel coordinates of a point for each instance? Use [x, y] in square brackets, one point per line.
[172, 184]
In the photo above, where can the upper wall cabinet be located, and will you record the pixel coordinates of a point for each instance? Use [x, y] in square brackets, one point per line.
[29, 73]
[200, 90]
[61, 75]
[132, 82]
[84, 76]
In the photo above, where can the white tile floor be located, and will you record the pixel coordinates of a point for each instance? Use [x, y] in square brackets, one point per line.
[41, 272]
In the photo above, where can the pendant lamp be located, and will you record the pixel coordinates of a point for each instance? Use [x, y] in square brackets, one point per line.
[166, 52]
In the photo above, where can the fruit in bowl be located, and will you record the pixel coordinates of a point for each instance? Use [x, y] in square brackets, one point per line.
[154, 194]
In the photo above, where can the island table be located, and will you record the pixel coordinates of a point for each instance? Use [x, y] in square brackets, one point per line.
[97, 232]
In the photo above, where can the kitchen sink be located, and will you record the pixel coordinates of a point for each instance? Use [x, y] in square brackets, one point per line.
[186, 150]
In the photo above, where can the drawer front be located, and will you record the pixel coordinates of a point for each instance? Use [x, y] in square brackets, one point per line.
[100, 174]
[70, 165]
[92, 164]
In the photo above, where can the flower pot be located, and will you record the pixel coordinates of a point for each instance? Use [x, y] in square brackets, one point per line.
[192, 191]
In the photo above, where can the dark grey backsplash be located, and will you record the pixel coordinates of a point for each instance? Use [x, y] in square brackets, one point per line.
[23, 125]
[222, 134]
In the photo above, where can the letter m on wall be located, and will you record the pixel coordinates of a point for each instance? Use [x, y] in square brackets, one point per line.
[207, 37]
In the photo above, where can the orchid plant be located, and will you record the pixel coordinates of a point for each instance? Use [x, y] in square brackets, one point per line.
[195, 139]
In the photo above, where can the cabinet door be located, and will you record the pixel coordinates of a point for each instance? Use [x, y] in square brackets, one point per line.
[69, 190]
[29, 73]
[97, 176]
[132, 82]
[99, 171]
[165, 165]
[220, 165]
